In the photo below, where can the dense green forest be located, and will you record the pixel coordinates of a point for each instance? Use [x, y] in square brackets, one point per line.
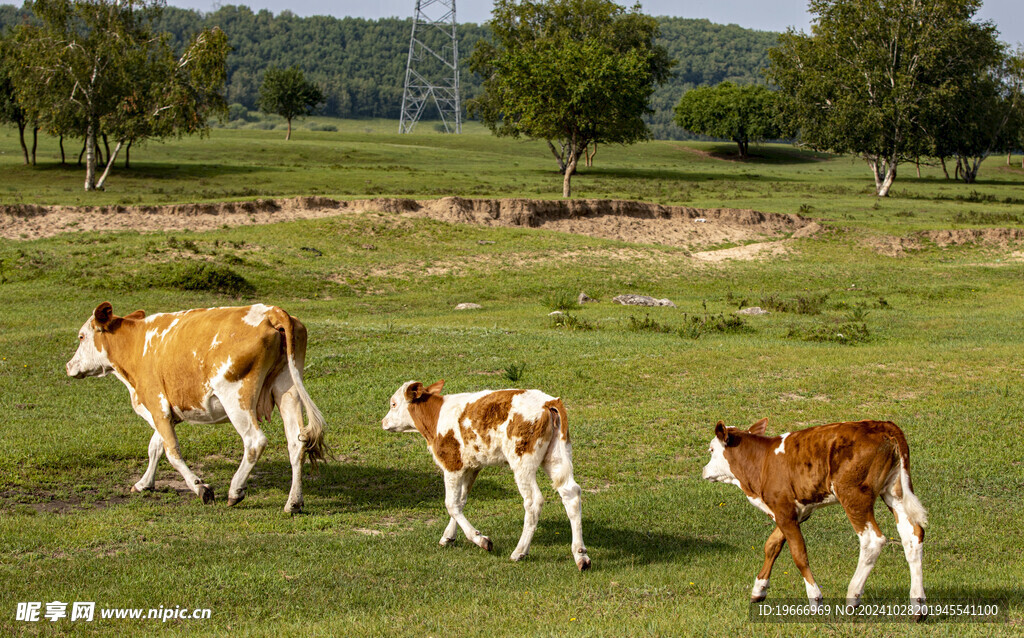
[360, 64]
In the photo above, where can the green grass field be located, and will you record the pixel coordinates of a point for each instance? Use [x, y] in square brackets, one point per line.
[937, 345]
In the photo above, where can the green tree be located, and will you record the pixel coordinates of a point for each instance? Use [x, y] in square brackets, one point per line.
[287, 93]
[571, 72]
[865, 79]
[727, 111]
[11, 109]
[99, 65]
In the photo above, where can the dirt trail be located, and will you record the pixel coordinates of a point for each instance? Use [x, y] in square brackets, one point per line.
[629, 221]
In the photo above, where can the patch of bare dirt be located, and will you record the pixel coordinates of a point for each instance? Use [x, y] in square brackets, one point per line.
[629, 221]
[892, 246]
[761, 250]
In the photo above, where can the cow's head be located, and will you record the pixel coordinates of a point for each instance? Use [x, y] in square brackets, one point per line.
[723, 451]
[92, 359]
[399, 418]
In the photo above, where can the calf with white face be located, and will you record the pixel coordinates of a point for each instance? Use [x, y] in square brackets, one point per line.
[789, 476]
[466, 432]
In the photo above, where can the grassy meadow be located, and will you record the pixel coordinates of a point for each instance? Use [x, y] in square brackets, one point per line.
[932, 340]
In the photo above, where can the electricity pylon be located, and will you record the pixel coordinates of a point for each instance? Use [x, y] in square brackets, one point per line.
[432, 71]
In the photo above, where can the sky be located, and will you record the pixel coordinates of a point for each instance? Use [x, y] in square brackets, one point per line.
[766, 15]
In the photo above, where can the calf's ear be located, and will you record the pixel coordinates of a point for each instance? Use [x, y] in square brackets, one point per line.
[759, 427]
[435, 388]
[723, 435]
[103, 314]
[414, 391]
[138, 314]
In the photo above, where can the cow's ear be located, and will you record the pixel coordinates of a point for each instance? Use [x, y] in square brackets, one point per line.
[435, 388]
[414, 391]
[138, 314]
[103, 314]
[721, 433]
[759, 427]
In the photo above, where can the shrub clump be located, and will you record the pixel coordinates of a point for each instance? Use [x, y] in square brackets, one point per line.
[801, 305]
[835, 331]
[205, 277]
[572, 322]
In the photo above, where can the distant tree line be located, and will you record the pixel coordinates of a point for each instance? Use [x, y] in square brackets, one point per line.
[360, 64]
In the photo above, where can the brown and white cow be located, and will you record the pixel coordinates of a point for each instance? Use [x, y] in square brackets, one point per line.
[467, 432]
[208, 365]
[789, 476]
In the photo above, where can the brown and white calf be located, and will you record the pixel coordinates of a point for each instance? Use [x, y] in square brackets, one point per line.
[789, 476]
[466, 432]
[208, 365]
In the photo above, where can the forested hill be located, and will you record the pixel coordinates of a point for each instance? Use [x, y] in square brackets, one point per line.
[360, 64]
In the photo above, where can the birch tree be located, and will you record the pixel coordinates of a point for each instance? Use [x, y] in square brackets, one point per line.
[571, 72]
[865, 78]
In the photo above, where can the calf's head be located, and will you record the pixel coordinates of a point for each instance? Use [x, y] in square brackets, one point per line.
[407, 400]
[723, 450]
[92, 357]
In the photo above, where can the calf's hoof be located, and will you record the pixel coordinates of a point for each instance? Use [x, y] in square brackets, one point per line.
[139, 490]
[293, 508]
[516, 556]
[758, 598]
[446, 542]
[232, 501]
[583, 563]
[920, 609]
[486, 543]
[205, 492]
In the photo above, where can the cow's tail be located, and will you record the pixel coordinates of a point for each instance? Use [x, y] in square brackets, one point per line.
[559, 453]
[911, 504]
[312, 435]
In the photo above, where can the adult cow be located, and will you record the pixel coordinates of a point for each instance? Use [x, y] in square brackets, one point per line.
[208, 365]
[466, 432]
[789, 476]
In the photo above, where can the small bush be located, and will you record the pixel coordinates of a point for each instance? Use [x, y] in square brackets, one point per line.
[696, 325]
[563, 300]
[205, 277]
[514, 371]
[835, 331]
[647, 325]
[572, 322]
[975, 217]
[801, 305]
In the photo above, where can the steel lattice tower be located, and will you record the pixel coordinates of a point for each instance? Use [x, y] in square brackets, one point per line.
[432, 71]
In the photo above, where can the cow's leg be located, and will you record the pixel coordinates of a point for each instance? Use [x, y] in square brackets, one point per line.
[170, 440]
[291, 413]
[454, 502]
[871, 543]
[772, 548]
[254, 442]
[156, 450]
[558, 466]
[533, 499]
[469, 477]
[912, 536]
[791, 530]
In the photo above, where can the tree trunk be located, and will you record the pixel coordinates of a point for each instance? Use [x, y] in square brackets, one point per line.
[62, 150]
[21, 136]
[918, 163]
[884, 171]
[106, 146]
[84, 144]
[90, 156]
[35, 143]
[110, 163]
[942, 160]
[591, 155]
[574, 158]
[128, 154]
[1008, 154]
[288, 135]
[559, 157]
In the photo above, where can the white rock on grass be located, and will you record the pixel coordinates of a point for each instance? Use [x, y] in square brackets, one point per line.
[468, 306]
[642, 300]
[753, 310]
[584, 298]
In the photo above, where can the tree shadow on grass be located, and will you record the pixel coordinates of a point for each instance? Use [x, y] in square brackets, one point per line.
[680, 176]
[152, 170]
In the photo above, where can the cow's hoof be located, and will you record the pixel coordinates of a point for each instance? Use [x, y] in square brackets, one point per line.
[236, 500]
[206, 493]
[757, 599]
[137, 490]
[516, 556]
[446, 542]
[486, 543]
[293, 508]
[583, 563]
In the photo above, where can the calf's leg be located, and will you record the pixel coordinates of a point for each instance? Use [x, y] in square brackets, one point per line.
[170, 440]
[291, 413]
[454, 483]
[772, 548]
[871, 543]
[533, 499]
[791, 529]
[156, 450]
[558, 466]
[912, 536]
[469, 477]
[254, 441]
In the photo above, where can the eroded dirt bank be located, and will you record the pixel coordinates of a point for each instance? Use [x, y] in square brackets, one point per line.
[629, 221]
